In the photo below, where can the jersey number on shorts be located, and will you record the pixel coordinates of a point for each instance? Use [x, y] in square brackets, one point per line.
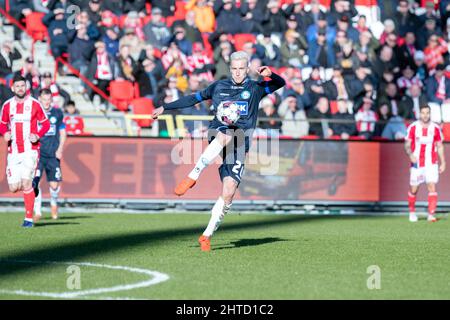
[238, 169]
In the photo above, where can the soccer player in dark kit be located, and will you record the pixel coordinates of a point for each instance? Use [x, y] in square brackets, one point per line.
[51, 153]
[244, 94]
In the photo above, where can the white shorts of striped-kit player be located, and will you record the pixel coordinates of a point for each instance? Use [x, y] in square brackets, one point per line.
[21, 166]
[427, 174]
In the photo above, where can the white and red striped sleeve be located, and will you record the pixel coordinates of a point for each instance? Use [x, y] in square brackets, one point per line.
[438, 135]
[4, 120]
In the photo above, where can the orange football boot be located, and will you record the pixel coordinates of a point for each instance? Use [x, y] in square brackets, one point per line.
[205, 243]
[184, 186]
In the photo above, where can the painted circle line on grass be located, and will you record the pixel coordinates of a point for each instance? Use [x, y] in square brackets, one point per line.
[156, 277]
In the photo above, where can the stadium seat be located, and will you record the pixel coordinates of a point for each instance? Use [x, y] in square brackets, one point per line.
[170, 20]
[35, 28]
[180, 10]
[208, 48]
[122, 93]
[143, 106]
[310, 137]
[333, 107]
[241, 38]
[446, 131]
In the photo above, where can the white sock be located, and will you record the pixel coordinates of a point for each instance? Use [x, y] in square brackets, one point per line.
[225, 209]
[54, 194]
[210, 153]
[216, 213]
[38, 204]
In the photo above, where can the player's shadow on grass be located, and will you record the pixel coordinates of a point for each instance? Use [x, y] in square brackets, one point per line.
[249, 243]
[91, 246]
[53, 224]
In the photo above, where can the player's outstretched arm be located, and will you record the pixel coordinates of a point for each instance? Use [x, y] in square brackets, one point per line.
[276, 82]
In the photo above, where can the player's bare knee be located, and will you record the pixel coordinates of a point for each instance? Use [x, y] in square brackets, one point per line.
[14, 188]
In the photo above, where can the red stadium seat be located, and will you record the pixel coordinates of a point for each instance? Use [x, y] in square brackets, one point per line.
[241, 38]
[446, 131]
[170, 20]
[310, 137]
[143, 106]
[122, 93]
[180, 10]
[35, 28]
[333, 107]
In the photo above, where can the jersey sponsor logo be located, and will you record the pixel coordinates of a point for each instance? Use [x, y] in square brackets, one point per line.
[225, 94]
[245, 95]
[19, 117]
[243, 106]
[51, 131]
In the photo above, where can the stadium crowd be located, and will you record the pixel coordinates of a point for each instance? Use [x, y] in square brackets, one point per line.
[345, 77]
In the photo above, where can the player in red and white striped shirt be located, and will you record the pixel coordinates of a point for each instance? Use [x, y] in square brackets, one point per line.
[426, 152]
[23, 123]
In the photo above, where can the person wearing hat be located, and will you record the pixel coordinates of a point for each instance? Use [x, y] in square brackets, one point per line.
[297, 10]
[293, 49]
[267, 51]
[438, 86]
[321, 24]
[405, 20]
[167, 7]
[320, 51]
[94, 11]
[19, 9]
[155, 31]
[345, 24]
[274, 18]
[8, 53]
[228, 17]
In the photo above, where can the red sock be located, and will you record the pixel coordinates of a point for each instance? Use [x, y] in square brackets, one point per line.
[411, 202]
[28, 197]
[432, 202]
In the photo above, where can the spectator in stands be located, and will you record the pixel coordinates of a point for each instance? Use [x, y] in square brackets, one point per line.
[167, 7]
[340, 9]
[344, 24]
[150, 53]
[58, 93]
[345, 127]
[407, 50]
[419, 65]
[294, 123]
[228, 17]
[179, 38]
[274, 21]
[321, 113]
[200, 64]
[304, 18]
[349, 60]
[395, 129]
[203, 14]
[385, 61]
[193, 34]
[222, 60]
[111, 40]
[133, 21]
[8, 53]
[405, 20]
[410, 103]
[407, 79]
[81, 48]
[255, 64]
[320, 26]
[19, 9]
[101, 71]
[137, 6]
[390, 97]
[126, 64]
[93, 10]
[434, 52]
[429, 13]
[72, 119]
[268, 127]
[384, 114]
[252, 16]
[389, 28]
[428, 30]
[131, 40]
[5, 92]
[268, 52]
[366, 119]
[56, 23]
[438, 86]
[316, 87]
[368, 45]
[293, 49]
[150, 69]
[30, 72]
[115, 6]
[320, 52]
[298, 91]
[156, 32]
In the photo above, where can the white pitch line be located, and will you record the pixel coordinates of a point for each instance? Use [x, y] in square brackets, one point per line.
[156, 277]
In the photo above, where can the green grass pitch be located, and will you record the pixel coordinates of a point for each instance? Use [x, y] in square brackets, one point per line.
[255, 256]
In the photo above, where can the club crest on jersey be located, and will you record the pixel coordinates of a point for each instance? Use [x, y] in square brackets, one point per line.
[27, 108]
[53, 120]
[245, 95]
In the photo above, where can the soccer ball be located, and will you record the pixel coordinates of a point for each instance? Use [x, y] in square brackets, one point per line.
[228, 112]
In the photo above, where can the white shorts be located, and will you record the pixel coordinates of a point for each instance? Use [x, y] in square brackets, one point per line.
[427, 174]
[21, 166]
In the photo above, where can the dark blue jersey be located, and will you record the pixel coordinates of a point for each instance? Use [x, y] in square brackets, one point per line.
[247, 95]
[50, 142]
